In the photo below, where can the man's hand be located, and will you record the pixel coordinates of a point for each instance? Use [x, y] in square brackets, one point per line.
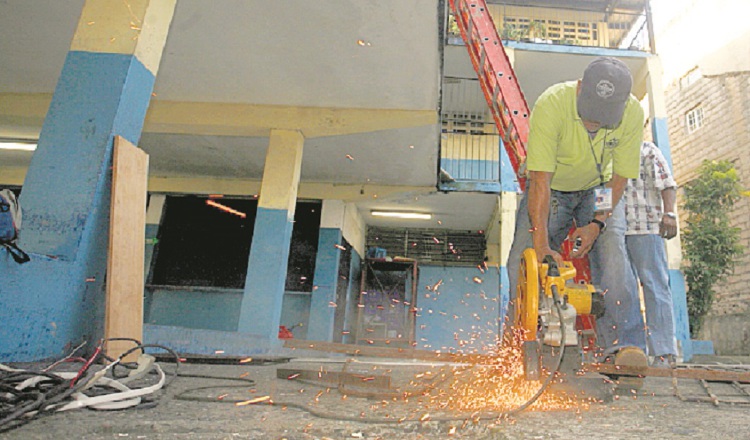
[543, 251]
[668, 227]
[588, 235]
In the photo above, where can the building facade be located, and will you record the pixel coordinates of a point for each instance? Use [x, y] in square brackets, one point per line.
[273, 147]
[709, 119]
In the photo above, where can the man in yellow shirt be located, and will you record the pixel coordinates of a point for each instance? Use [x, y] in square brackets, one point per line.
[584, 144]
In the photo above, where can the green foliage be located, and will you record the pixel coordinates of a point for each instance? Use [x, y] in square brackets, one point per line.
[710, 244]
[534, 29]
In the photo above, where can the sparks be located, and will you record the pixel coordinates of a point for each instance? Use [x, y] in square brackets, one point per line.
[225, 208]
[253, 401]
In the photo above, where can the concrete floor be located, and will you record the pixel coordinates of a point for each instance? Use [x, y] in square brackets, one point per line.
[653, 412]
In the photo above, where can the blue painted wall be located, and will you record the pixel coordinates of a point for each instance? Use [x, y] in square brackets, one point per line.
[56, 301]
[460, 309]
[679, 304]
[508, 179]
[216, 309]
[660, 133]
[472, 169]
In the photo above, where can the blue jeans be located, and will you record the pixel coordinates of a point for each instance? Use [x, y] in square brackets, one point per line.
[648, 259]
[622, 324]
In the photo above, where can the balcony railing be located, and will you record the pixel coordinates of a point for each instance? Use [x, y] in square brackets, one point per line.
[469, 145]
[549, 25]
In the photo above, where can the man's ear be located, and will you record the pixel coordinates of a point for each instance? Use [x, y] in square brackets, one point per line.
[578, 88]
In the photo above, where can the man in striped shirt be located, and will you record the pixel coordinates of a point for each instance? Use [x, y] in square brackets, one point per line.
[651, 218]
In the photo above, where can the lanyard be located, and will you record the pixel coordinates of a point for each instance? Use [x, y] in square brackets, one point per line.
[601, 158]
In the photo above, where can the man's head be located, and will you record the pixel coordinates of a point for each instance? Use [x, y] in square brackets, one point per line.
[603, 91]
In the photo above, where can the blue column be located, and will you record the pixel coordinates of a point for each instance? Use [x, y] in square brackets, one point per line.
[660, 133]
[57, 300]
[260, 312]
[325, 282]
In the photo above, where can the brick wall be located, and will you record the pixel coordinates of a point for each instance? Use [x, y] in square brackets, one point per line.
[725, 134]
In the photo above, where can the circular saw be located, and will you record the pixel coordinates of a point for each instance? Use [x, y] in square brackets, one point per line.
[548, 301]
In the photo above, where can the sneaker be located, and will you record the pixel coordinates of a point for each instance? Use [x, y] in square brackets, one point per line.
[663, 361]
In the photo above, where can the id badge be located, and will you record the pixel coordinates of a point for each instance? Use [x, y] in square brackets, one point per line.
[603, 201]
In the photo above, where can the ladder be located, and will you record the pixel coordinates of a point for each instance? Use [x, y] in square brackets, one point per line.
[497, 78]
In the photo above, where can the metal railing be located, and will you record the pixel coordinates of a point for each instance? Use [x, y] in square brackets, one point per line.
[625, 30]
[470, 144]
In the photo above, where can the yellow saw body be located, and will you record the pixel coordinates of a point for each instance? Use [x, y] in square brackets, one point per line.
[537, 314]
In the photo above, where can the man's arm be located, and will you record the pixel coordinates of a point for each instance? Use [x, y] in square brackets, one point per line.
[538, 202]
[668, 225]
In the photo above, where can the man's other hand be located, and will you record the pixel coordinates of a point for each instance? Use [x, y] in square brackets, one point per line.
[668, 227]
[588, 235]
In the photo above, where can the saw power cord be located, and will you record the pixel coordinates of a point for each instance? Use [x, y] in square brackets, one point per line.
[473, 417]
[26, 394]
[476, 416]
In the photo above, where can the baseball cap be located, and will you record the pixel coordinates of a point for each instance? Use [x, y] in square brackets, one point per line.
[605, 89]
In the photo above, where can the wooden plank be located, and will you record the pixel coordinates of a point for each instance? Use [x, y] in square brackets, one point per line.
[398, 353]
[127, 230]
[336, 378]
[716, 375]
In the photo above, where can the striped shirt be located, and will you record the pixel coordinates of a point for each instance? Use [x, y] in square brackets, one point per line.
[643, 205]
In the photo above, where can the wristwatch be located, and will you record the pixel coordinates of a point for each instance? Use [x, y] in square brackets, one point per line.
[601, 224]
[670, 214]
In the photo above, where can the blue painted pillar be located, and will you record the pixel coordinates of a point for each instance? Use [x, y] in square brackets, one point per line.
[57, 300]
[260, 313]
[658, 112]
[322, 311]
[507, 205]
[352, 311]
[154, 213]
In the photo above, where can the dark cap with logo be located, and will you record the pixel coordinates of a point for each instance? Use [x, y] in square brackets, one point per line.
[605, 89]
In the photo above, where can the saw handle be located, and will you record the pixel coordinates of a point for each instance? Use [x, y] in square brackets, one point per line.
[552, 269]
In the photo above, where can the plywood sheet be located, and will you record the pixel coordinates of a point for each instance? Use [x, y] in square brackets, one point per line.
[127, 232]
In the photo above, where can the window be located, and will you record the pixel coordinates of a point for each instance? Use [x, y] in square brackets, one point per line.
[694, 119]
[690, 78]
[202, 245]
[208, 245]
[438, 246]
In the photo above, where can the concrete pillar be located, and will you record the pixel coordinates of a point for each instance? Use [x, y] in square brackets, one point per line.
[506, 216]
[260, 312]
[507, 221]
[658, 112]
[326, 271]
[104, 90]
[154, 213]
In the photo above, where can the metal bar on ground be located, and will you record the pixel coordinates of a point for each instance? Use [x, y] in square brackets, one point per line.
[400, 353]
[335, 378]
[680, 373]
